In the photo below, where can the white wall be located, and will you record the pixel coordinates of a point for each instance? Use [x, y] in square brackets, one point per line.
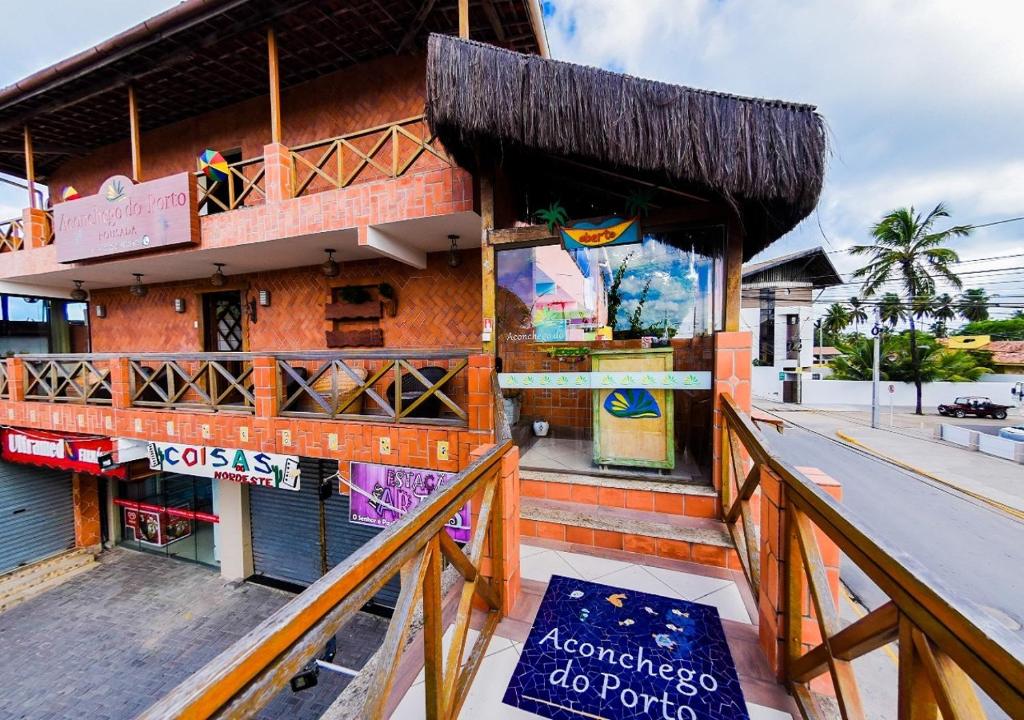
[765, 383]
[858, 392]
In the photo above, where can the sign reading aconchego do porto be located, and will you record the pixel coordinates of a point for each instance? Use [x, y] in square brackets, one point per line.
[125, 217]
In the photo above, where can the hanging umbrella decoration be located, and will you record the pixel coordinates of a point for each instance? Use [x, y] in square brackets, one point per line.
[69, 193]
[213, 165]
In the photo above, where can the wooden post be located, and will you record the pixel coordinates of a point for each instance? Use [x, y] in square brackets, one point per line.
[275, 87]
[488, 271]
[30, 169]
[464, 19]
[133, 118]
[733, 276]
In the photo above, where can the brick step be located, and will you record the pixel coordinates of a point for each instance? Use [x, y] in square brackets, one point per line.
[679, 537]
[17, 584]
[657, 496]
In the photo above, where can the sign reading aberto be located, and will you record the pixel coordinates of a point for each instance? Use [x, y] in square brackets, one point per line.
[124, 217]
[248, 467]
[597, 651]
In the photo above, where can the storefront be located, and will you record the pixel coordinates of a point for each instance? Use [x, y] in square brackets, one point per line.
[37, 503]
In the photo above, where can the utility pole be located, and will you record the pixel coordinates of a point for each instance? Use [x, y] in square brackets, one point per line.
[876, 331]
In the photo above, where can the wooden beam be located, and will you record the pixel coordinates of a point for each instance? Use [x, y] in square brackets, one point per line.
[464, 19]
[417, 25]
[133, 119]
[733, 275]
[30, 169]
[526, 234]
[494, 20]
[275, 87]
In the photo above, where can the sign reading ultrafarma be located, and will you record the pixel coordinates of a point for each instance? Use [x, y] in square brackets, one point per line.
[125, 217]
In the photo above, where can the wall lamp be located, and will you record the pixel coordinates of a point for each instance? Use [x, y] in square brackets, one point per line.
[264, 296]
[179, 305]
[101, 311]
[138, 289]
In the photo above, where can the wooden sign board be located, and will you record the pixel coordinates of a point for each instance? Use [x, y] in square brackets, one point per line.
[124, 217]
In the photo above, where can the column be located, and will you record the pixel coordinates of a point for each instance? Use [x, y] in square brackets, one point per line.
[86, 498]
[235, 534]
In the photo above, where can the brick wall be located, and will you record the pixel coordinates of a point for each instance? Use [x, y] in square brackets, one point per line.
[437, 307]
[85, 493]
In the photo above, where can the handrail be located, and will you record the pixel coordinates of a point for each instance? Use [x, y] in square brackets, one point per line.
[12, 234]
[950, 638]
[246, 675]
[236, 174]
[387, 354]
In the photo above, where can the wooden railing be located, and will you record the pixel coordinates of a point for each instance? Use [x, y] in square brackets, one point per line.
[384, 151]
[192, 382]
[5, 391]
[51, 233]
[12, 235]
[75, 379]
[244, 186]
[944, 643]
[246, 676]
[409, 387]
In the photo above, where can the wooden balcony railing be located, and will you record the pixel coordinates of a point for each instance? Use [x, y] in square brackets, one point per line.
[246, 676]
[192, 382]
[75, 379]
[944, 643]
[410, 387]
[12, 235]
[50, 232]
[5, 391]
[244, 186]
[384, 151]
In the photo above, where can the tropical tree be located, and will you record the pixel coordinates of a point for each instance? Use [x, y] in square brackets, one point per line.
[943, 310]
[1007, 329]
[891, 310]
[974, 305]
[836, 319]
[857, 313]
[922, 307]
[936, 362]
[908, 249]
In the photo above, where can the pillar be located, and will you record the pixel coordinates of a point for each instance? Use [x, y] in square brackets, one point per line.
[86, 498]
[37, 227]
[733, 369]
[264, 373]
[505, 531]
[278, 177]
[235, 536]
[481, 396]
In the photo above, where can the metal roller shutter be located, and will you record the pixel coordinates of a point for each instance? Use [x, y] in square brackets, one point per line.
[37, 516]
[344, 538]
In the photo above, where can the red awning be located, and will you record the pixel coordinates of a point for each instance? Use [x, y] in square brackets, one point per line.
[63, 451]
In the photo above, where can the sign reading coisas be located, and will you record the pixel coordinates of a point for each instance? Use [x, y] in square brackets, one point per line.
[249, 467]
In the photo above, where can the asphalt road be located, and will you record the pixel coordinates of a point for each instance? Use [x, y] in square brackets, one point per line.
[967, 548]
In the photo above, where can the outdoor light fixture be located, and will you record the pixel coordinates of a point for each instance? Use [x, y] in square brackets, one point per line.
[179, 305]
[138, 289]
[264, 296]
[218, 279]
[78, 294]
[454, 259]
[329, 267]
[101, 311]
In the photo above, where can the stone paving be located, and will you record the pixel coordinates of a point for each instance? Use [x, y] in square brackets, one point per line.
[107, 644]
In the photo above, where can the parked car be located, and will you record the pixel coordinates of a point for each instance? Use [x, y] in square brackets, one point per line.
[979, 406]
[1014, 432]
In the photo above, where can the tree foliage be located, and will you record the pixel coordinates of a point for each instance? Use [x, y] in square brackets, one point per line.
[937, 363]
[1008, 329]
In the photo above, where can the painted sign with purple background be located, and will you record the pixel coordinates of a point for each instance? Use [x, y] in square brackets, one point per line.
[380, 494]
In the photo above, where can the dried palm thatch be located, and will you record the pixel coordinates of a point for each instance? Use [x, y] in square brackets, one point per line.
[765, 157]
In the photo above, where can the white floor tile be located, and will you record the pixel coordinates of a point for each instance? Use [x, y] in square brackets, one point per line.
[729, 603]
[760, 712]
[688, 585]
[634, 577]
[543, 565]
[526, 550]
[489, 685]
[590, 567]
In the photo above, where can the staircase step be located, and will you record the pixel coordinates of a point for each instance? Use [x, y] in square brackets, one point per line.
[665, 498]
[29, 580]
[680, 537]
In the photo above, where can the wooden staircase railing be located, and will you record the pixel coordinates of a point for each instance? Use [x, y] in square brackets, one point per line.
[945, 644]
[244, 678]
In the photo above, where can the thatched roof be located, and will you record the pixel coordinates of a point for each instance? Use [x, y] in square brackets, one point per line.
[765, 157]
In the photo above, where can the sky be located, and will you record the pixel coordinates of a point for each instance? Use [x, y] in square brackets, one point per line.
[922, 99]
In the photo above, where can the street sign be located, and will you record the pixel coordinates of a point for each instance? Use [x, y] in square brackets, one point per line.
[892, 389]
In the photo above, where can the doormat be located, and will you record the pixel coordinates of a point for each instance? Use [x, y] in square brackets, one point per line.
[606, 653]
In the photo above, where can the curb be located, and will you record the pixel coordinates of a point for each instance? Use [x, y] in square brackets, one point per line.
[1019, 514]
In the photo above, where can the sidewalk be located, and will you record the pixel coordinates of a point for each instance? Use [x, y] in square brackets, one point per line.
[911, 443]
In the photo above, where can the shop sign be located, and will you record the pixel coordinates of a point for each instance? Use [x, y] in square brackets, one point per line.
[381, 494]
[56, 450]
[599, 651]
[584, 234]
[249, 467]
[653, 380]
[159, 526]
[125, 217]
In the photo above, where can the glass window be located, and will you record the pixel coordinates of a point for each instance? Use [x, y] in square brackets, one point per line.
[25, 309]
[76, 311]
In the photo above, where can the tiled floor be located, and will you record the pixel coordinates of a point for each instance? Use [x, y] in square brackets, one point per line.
[538, 564]
[577, 456]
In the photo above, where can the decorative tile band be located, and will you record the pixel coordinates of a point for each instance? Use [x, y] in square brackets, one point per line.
[675, 380]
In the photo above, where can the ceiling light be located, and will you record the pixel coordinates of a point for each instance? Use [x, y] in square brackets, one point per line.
[329, 267]
[138, 289]
[218, 279]
[454, 259]
[78, 294]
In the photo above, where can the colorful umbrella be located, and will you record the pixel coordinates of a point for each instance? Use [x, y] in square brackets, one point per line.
[69, 193]
[213, 165]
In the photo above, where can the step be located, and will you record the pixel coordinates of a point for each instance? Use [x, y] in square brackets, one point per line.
[17, 584]
[679, 537]
[658, 496]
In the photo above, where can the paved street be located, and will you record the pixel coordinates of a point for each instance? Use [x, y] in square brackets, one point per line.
[108, 643]
[969, 547]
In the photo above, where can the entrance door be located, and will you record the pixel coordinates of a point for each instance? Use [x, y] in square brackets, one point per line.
[222, 321]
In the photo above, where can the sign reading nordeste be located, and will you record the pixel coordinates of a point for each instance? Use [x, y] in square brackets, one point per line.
[598, 651]
[125, 217]
[249, 467]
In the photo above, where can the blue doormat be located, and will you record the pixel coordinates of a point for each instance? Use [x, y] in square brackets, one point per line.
[606, 653]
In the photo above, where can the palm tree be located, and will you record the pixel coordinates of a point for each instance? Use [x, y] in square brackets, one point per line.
[923, 307]
[891, 310]
[836, 320]
[911, 251]
[974, 305]
[943, 311]
[857, 313]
